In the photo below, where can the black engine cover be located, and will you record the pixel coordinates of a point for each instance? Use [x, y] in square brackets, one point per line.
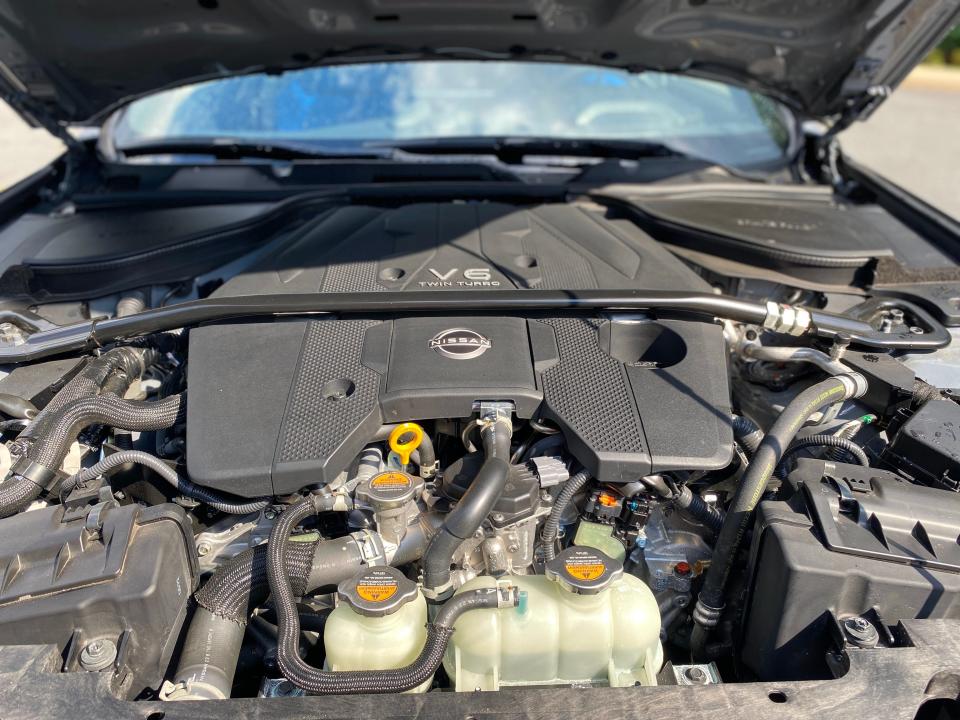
[275, 406]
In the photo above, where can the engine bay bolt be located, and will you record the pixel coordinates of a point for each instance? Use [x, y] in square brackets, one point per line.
[286, 688]
[203, 549]
[10, 334]
[98, 655]
[840, 344]
[696, 675]
[861, 632]
[916, 330]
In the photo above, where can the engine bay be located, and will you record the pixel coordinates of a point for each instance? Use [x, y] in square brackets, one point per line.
[534, 446]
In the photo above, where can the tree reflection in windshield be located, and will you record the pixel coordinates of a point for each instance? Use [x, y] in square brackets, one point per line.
[414, 100]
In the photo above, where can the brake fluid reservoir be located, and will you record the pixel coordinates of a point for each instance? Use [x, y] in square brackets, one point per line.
[379, 624]
[584, 621]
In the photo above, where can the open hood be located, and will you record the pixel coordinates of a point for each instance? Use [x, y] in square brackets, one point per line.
[75, 62]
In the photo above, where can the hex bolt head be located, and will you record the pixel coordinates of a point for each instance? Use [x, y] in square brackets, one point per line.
[98, 655]
[203, 549]
[861, 632]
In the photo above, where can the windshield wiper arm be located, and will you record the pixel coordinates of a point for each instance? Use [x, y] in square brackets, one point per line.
[243, 149]
[513, 150]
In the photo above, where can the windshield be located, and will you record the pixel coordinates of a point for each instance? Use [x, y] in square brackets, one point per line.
[350, 105]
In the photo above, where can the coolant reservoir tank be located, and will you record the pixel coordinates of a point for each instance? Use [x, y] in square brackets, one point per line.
[379, 623]
[584, 621]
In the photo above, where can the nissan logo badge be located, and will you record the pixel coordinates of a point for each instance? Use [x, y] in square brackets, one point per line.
[460, 343]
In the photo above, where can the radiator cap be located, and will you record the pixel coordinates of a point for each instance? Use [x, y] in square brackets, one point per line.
[377, 591]
[583, 570]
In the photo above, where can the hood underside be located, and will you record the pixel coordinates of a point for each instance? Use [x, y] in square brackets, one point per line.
[76, 61]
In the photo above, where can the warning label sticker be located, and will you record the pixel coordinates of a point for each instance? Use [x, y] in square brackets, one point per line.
[584, 569]
[377, 589]
[390, 480]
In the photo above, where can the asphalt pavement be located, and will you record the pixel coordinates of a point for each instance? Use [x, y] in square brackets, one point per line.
[913, 140]
[23, 150]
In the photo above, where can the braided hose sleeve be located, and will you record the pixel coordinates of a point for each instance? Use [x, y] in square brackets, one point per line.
[228, 599]
[183, 485]
[50, 449]
[16, 494]
[551, 528]
[129, 362]
[240, 586]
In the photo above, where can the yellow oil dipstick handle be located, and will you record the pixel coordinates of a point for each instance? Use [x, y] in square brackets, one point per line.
[404, 439]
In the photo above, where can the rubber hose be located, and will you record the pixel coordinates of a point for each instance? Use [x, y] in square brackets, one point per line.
[472, 509]
[551, 528]
[183, 485]
[828, 441]
[17, 407]
[747, 433]
[428, 456]
[751, 488]
[694, 505]
[208, 660]
[304, 676]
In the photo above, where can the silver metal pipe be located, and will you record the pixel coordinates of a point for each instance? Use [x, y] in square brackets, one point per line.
[769, 353]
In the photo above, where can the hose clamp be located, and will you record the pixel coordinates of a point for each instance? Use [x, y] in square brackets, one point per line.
[371, 547]
[438, 594]
[493, 412]
[39, 475]
[190, 690]
[508, 594]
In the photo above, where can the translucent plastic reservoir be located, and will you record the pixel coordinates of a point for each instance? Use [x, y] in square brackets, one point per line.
[558, 637]
[359, 642]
